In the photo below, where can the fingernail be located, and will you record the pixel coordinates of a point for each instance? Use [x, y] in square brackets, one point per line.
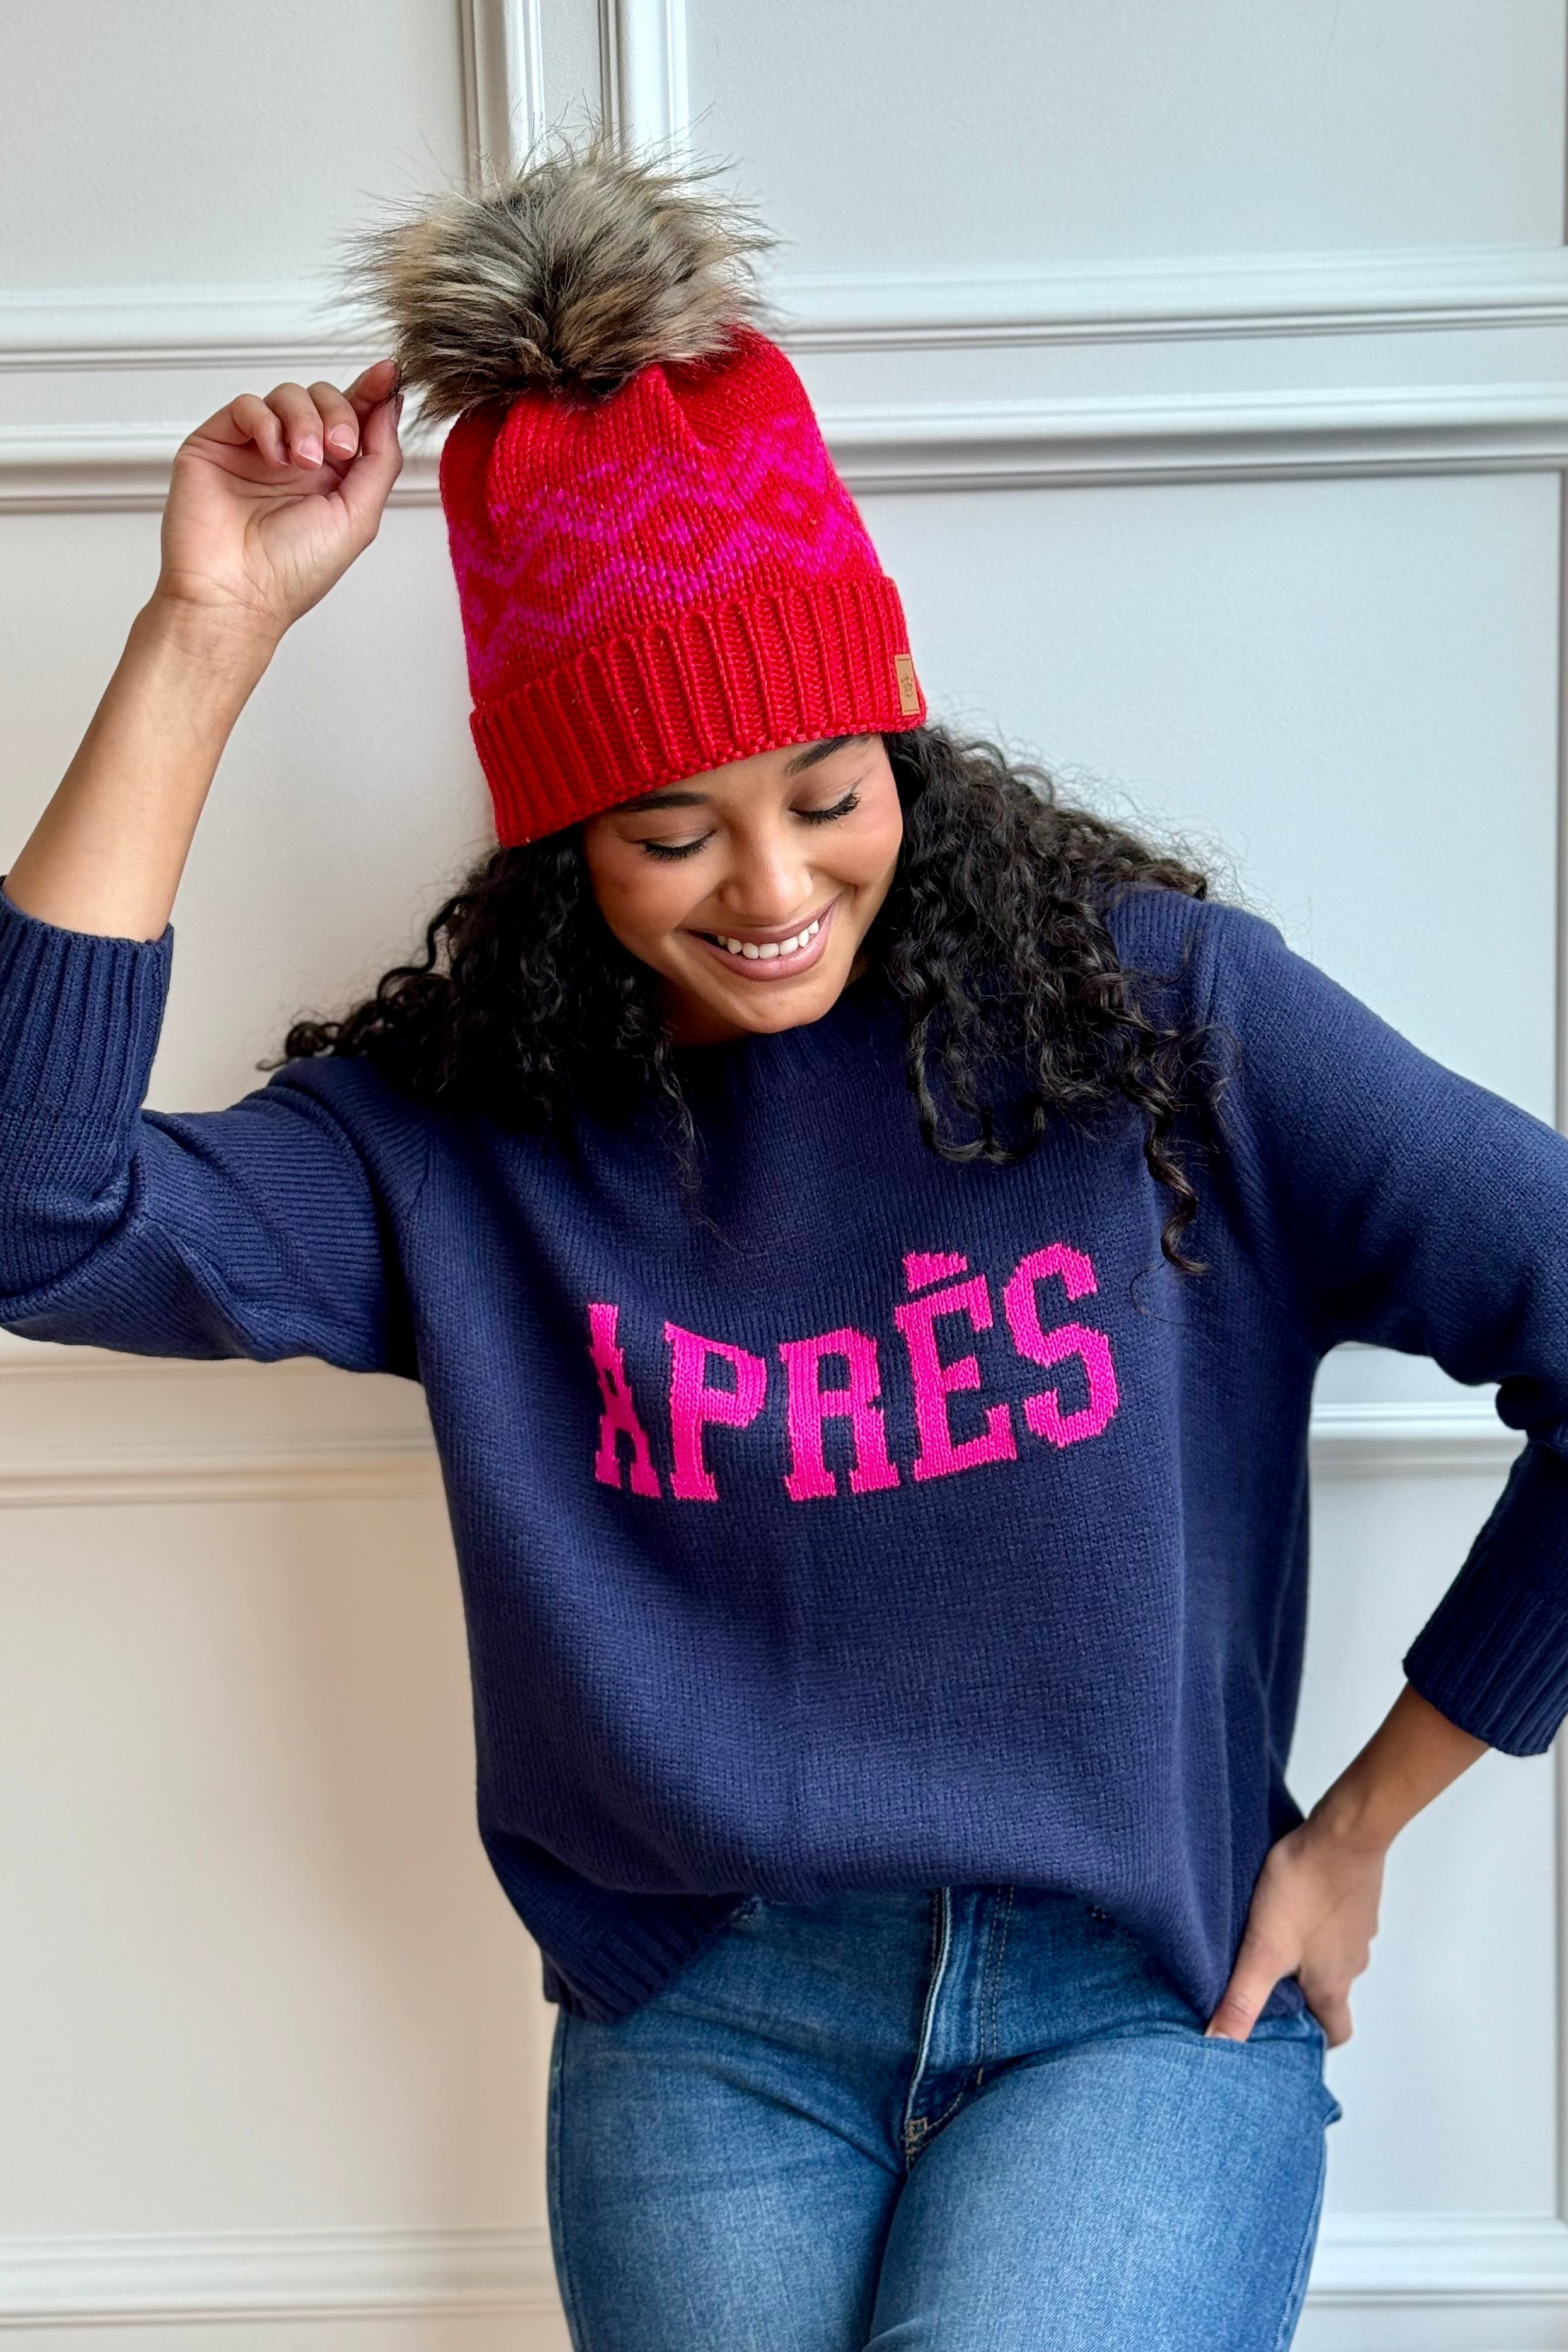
[340, 438]
[310, 451]
[397, 408]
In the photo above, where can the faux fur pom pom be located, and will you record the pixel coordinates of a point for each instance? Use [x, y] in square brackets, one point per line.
[570, 275]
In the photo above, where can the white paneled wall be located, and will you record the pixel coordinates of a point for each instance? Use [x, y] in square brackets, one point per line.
[1204, 377]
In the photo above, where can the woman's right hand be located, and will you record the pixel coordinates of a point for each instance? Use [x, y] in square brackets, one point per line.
[271, 499]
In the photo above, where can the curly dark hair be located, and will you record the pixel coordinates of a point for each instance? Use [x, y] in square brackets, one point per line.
[992, 938]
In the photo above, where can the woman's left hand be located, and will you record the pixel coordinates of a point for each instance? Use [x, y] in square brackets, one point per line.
[1314, 1908]
[1313, 1916]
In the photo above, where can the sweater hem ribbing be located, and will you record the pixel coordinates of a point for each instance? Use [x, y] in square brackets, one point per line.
[629, 1966]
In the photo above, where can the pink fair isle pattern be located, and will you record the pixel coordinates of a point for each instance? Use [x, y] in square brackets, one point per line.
[561, 574]
[660, 582]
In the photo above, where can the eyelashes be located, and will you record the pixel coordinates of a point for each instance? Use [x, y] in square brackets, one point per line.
[663, 849]
[668, 850]
[845, 807]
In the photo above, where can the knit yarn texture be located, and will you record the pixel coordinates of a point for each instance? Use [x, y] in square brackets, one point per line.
[901, 1523]
[659, 583]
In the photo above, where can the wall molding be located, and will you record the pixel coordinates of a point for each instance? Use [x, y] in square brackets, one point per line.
[1429, 2261]
[503, 82]
[1355, 1440]
[400, 1470]
[84, 1427]
[66, 330]
[1238, 297]
[145, 2279]
[645, 88]
[141, 1430]
[645, 52]
[1209, 438]
[966, 446]
[1378, 2265]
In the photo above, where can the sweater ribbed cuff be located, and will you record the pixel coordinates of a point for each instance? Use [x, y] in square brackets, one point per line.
[1493, 1655]
[79, 1017]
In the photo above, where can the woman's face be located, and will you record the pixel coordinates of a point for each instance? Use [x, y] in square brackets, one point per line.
[751, 888]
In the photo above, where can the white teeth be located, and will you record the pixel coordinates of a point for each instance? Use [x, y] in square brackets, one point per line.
[766, 953]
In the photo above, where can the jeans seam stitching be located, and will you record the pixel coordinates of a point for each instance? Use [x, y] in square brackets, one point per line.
[989, 2031]
[916, 2129]
[1296, 2293]
[930, 2126]
[982, 1992]
[569, 2300]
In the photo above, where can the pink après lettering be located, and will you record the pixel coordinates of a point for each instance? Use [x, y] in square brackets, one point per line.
[619, 1419]
[941, 1454]
[809, 1404]
[816, 1396]
[924, 1267]
[1042, 1411]
[694, 1406]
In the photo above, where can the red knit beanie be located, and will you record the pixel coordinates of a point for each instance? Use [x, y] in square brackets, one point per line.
[658, 567]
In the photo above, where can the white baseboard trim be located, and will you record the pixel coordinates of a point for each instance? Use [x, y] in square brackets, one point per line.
[135, 2280]
[1375, 2264]
[1424, 2262]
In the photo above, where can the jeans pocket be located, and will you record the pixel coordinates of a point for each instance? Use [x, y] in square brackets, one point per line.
[1332, 2111]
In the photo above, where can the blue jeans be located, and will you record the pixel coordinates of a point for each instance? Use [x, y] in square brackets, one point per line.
[977, 2119]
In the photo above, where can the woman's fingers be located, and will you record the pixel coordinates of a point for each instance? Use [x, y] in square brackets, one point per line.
[1331, 2010]
[322, 425]
[304, 433]
[340, 425]
[1259, 1965]
[371, 384]
[252, 420]
[300, 428]
[367, 483]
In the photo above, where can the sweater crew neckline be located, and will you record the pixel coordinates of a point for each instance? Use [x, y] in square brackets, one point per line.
[864, 1010]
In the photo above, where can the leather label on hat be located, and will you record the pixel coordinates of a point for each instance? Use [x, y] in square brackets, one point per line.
[909, 687]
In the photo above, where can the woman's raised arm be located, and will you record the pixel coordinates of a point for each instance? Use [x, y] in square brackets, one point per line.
[270, 501]
[267, 1229]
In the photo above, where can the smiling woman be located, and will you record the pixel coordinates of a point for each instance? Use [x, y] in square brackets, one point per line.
[568, 973]
[756, 919]
[868, 1230]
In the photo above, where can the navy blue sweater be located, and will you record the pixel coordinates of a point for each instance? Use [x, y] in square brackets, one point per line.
[899, 1522]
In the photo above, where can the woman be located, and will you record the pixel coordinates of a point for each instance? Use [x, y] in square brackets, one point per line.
[867, 1232]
